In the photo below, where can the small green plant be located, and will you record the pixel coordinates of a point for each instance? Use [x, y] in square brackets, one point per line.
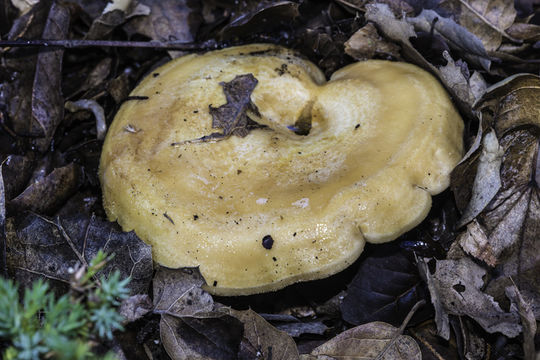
[42, 326]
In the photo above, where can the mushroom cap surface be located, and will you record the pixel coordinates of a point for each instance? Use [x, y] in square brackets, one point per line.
[260, 212]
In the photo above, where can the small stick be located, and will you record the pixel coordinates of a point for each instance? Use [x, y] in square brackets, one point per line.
[401, 328]
[74, 43]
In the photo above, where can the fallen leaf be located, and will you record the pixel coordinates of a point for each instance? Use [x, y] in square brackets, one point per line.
[259, 16]
[216, 336]
[24, 5]
[135, 307]
[36, 104]
[458, 37]
[167, 21]
[506, 233]
[233, 117]
[16, 170]
[179, 292]
[456, 288]
[262, 340]
[385, 288]
[431, 345]
[527, 320]
[366, 44]
[42, 247]
[466, 90]
[487, 19]
[525, 32]
[115, 14]
[190, 328]
[401, 31]
[46, 195]
[95, 77]
[487, 181]
[367, 342]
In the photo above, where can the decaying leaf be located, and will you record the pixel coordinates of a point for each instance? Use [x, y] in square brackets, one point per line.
[114, 14]
[51, 248]
[525, 32]
[366, 43]
[487, 19]
[457, 36]
[167, 21]
[215, 336]
[191, 327]
[487, 181]
[506, 232]
[527, 320]
[178, 292]
[456, 288]
[232, 117]
[16, 170]
[466, 89]
[258, 16]
[36, 102]
[262, 340]
[47, 194]
[402, 31]
[431, 345]
[224, 334]
[368, 342]
[135, 307]
[385, 288]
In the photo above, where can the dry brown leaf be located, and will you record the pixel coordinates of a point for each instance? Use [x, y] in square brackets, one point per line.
[114, 15]
[525, 32]
[367, 342]
[457, 36]
[366, 43]
[527, 319]
[49, 193]
[178, 292]
[456, 288]
[506, 233]
[167, 21]
[225, 334]
[35, 101]
[487, 19]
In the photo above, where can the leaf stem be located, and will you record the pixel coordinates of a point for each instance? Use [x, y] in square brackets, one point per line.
[401, 328]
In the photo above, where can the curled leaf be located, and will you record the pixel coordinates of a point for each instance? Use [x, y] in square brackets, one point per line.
[456, 288]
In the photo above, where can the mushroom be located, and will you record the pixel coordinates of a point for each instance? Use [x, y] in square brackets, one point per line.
[294, 185]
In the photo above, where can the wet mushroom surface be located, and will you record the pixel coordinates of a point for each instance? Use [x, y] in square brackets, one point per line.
[247, 163]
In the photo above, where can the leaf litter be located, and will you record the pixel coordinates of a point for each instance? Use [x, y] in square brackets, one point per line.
[49, 167]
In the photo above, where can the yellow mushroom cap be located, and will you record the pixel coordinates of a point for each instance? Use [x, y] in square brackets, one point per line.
[260, 212]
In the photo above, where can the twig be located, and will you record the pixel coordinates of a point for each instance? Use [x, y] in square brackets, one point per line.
[70, 44]
[401, 328]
